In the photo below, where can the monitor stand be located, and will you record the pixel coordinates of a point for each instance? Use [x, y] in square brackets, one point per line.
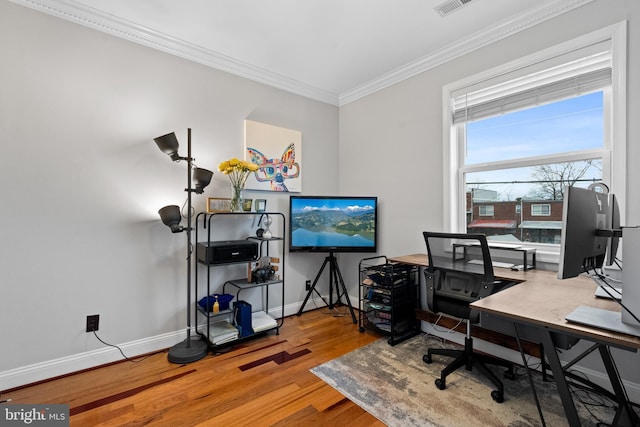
[602, 319]
[606, 289]
[601, 292]
[623, 322]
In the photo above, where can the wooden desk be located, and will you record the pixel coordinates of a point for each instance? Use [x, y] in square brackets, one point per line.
[492, 336]
[542, 301]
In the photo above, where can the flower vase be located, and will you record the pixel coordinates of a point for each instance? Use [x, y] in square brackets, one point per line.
[236, 198]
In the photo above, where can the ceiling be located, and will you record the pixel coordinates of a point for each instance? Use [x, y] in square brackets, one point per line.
[334, 51]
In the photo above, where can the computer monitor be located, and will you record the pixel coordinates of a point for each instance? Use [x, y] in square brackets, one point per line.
[590, 229]
[584, 238]
[616, 230]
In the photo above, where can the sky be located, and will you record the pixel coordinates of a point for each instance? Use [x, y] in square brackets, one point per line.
[565, 126]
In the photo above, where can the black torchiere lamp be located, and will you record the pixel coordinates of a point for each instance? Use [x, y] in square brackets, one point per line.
[190, 349]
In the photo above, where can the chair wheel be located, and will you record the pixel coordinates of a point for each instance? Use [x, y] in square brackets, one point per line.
[426, 358]
[509, 375]
[497, 396]
[361, 329]
[441, 384]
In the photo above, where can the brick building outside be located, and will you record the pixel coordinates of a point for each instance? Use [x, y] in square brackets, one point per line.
[514, 221]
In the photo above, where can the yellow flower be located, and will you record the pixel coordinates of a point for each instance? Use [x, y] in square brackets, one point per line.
[234, 164]
[237, 170]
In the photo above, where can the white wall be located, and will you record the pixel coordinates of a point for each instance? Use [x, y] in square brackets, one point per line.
[392, 141]
[81, 182]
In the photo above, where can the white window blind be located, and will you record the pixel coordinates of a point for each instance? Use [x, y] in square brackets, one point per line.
[573, 78]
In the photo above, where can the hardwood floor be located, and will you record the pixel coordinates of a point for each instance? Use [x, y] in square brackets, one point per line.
[262, 382]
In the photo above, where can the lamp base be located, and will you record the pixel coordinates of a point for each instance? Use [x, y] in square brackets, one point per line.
[187, 352]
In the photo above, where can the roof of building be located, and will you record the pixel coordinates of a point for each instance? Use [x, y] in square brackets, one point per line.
[541, 225]
[492, 223]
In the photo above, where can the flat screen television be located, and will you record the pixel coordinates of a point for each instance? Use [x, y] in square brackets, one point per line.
[333, 224]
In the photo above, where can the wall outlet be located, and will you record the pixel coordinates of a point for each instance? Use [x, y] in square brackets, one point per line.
[92, 322]
[307, 285]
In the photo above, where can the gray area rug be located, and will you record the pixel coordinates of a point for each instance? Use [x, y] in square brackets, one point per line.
[397, 387]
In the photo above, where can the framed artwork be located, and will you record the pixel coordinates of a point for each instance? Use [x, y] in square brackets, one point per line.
[278, 153]
[261, 205]
[216, 204]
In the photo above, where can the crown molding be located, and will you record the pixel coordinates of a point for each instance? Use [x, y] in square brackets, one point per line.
[98, 20]
[107, 23]
[462, 47]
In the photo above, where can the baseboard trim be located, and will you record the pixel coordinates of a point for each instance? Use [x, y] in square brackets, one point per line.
[78, 362]
[43, 371]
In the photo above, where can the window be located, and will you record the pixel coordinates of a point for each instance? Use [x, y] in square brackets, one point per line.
[485, 210]
[540, 210]
[521, 132]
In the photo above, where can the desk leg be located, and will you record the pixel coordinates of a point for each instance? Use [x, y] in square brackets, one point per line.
[625, 415]
[526, 366]
[558, 376]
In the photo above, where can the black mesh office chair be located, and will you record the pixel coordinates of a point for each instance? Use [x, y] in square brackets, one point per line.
[452, 283]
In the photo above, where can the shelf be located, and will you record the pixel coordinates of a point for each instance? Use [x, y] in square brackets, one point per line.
[238, 314]
[374, 306]
[223, 333]
[212, 314]
[245, 284]
[262, 239]
[528, 254]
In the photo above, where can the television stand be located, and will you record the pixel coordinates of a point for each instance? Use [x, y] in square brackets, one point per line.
[341, 289]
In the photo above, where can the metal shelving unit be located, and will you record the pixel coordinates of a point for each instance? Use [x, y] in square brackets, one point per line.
[388, 297]
[239, 285]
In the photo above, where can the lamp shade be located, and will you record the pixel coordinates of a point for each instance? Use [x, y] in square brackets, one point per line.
[170, 216]
[168, 144]
[201, 178]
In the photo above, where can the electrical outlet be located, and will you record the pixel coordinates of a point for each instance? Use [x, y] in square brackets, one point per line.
[92, 322]
[307, 285]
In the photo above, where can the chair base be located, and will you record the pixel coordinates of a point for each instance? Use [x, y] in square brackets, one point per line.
[469, 359]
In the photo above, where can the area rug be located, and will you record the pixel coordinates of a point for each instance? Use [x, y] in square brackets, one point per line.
[397, 387]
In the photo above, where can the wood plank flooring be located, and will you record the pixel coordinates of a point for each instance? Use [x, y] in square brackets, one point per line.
[262, 382]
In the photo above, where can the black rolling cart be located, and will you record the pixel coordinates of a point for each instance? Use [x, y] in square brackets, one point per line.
[388, 297]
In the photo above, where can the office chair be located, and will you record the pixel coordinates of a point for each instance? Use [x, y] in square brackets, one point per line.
[453, 283]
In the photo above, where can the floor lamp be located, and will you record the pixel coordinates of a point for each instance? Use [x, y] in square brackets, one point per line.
[190, 349]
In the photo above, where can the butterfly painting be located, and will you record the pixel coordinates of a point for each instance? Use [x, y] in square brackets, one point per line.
[277, 153]
[274, 170]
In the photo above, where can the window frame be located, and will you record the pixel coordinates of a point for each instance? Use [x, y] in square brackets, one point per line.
[486, 209]
[613, 153]
[547, 212]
